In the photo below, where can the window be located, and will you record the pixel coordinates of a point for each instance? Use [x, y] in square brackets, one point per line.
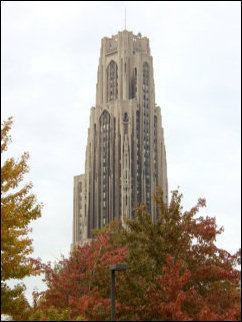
[155, 148]
[134, 84]
[112, 81]
[104, 141]
[145, 74]
[145, 93]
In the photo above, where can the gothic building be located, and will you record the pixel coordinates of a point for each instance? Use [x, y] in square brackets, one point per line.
[125, 154]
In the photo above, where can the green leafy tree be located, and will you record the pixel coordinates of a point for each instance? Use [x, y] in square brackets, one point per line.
[176, 272]
[18, 209]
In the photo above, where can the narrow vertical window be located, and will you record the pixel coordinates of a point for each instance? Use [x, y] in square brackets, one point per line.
[134, 84]
[146, 119]
[138, 157]
[104, 137]
[155, 150]
[112, 81]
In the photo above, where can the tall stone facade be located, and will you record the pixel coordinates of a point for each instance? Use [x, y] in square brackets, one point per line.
[125, 154]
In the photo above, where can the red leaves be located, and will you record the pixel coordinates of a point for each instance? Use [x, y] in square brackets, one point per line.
[92, 306]
[168, 295]
[72, 282]
[207, 315]
[176, 272]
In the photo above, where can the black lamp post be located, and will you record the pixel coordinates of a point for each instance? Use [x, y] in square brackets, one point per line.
[113, 268]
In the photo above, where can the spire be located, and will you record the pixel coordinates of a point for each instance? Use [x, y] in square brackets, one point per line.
[125, 19]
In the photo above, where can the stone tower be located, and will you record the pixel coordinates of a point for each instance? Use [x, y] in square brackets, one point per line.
[125, 154]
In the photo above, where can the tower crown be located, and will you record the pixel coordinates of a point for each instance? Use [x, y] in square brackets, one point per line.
[122, 57]
[126, 42]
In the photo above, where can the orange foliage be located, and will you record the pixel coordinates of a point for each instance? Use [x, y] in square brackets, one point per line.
[18, 209]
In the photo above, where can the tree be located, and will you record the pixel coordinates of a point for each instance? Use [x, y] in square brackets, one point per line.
[175, 271]
[18, 208]
[81, 283]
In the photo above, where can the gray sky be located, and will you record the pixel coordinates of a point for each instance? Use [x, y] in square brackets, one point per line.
[50, 53]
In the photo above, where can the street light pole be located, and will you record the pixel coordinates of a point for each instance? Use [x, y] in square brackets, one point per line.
[113, 295]
[113, 268]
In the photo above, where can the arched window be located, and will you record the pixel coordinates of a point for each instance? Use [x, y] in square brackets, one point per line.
[112, 81]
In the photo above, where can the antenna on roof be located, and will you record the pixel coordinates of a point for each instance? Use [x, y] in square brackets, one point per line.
[125, 19]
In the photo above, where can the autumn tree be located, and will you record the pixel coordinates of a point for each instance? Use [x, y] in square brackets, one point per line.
[18, 209]
[175, 271]
[80, 284]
